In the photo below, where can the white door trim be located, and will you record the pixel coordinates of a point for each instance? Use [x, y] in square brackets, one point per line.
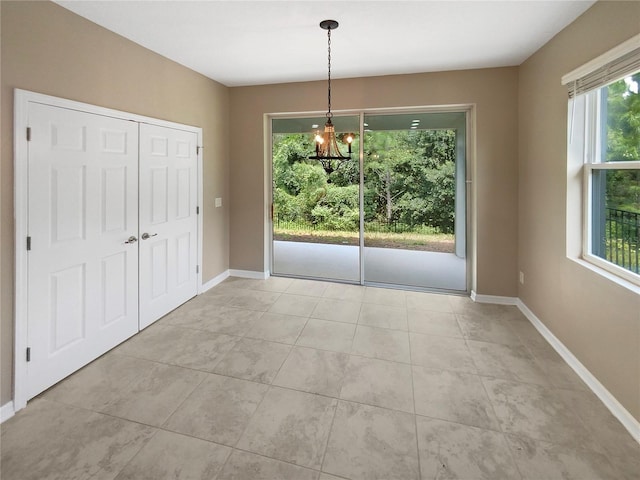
[22, 98]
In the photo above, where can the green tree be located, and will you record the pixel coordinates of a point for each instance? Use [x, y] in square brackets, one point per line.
[304, 192]
[623, 142]
[410, 177]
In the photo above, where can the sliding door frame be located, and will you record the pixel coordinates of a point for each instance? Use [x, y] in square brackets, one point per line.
[470, 223]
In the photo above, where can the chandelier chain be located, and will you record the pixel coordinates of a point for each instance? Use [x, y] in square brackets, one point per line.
[329, 114]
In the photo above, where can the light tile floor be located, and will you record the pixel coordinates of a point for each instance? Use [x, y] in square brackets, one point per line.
[296, 379]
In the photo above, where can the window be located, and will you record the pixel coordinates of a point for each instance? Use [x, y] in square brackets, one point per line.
[604, 135]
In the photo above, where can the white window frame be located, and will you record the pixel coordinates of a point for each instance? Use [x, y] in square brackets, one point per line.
[584, 153]
[592, 162]
[591, 143]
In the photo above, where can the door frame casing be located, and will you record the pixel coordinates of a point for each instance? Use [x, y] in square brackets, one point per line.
[469, 109]
[22, 99]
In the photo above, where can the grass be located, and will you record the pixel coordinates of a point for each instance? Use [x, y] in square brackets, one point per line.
[406, 241]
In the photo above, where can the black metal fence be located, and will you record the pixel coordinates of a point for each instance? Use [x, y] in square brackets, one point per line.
[623, 238]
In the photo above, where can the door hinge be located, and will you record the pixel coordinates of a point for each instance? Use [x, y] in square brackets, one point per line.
[197, 268]
[198, 148]
[197, 210]
[28, 243]
[28, 354]
[28, 134]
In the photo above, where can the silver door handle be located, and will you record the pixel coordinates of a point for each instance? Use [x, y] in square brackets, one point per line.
[131, 239]
[146, 236]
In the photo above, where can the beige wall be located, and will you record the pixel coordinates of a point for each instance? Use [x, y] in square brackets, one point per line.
[47, 49]
[494, 93]
[596, 319]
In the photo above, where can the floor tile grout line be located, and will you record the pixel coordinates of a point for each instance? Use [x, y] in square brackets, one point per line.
[288, 353]
[255, 412]
[512, 455]
[330, 431]
[415, 411]
[274, 459]
[204, 378]
[153, 435]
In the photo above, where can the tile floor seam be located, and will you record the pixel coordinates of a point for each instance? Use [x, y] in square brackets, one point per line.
[329, 397]
[187, 327]
[269, 341]
[244, 430]
[165, 428]
[175, 365]
[512, 455]
[326, 443]
[415, 412]
[359, 355]
[136, 454]
[289, 353]
[204, 379]
[275, 459]
[355, 329]
[499, 425]
[98, 412]
[224, 464]
[359, 402]
[322, 349]
[383, 328]
[331, 320]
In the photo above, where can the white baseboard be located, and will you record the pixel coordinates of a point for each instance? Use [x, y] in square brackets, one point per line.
[480, 298]
[249, 274]
[618, 411]
[214, 281]
[7, 411]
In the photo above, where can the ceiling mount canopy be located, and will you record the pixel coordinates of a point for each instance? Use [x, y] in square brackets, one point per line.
[326, 144]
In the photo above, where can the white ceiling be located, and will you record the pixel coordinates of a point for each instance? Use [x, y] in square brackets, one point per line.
[239, 42]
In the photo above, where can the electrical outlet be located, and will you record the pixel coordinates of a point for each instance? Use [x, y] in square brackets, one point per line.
[522, 278]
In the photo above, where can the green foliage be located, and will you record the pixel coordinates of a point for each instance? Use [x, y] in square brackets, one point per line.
[623, 120]
[623, 143]
[338, 209]
[409, 180]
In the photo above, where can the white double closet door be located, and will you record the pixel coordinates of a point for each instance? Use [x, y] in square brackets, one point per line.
[113, 234]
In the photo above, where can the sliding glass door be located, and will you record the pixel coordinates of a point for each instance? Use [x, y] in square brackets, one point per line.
[316, 206]
[414, 200]
[395, 214]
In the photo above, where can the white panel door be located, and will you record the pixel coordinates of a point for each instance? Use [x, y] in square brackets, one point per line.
[83, 206]
[168, 220]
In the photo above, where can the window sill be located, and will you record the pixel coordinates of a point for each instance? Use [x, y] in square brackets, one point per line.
[608, 275]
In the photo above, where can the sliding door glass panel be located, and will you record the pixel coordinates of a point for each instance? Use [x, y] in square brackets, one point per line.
[315, 206]
[414, 200]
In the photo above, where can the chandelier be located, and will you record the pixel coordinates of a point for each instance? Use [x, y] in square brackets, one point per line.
[327, 149]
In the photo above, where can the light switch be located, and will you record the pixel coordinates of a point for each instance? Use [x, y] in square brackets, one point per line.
[218, 202]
